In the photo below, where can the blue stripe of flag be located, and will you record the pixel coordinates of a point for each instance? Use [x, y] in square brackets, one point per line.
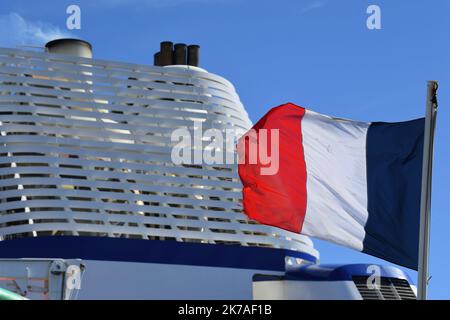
[394, 171]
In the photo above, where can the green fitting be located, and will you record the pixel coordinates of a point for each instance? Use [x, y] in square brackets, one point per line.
[8, 295]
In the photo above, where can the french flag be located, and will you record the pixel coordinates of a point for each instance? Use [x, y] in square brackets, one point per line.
[356, 184]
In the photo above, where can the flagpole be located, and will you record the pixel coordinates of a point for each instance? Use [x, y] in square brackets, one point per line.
[425, 200]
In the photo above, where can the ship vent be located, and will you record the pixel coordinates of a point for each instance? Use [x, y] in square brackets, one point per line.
[390, 289]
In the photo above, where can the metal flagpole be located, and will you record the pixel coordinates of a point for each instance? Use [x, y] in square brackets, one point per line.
[425, 200]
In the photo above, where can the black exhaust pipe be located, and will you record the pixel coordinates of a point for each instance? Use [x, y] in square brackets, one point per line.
[193, 58]
[179, 54]
[166, 53]
[156, 59]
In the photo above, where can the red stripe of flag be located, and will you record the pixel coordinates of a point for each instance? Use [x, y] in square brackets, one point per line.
[278, 200]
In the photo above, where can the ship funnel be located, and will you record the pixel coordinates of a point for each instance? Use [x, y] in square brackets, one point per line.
[180, 54]
[166, 53]
[156, 59]
[193, 55]
[71, 47]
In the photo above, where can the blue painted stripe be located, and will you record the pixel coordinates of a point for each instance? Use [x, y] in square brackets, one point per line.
[149, 251]
[394, 173]
[317, 272]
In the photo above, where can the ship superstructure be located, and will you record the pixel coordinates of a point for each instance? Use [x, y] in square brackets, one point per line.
[87, 175]
[86, 152]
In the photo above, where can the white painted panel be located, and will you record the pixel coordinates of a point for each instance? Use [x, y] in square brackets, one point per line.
[131, 280]
[305, 290]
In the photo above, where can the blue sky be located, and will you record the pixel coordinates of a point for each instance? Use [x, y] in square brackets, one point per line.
[316, 53]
